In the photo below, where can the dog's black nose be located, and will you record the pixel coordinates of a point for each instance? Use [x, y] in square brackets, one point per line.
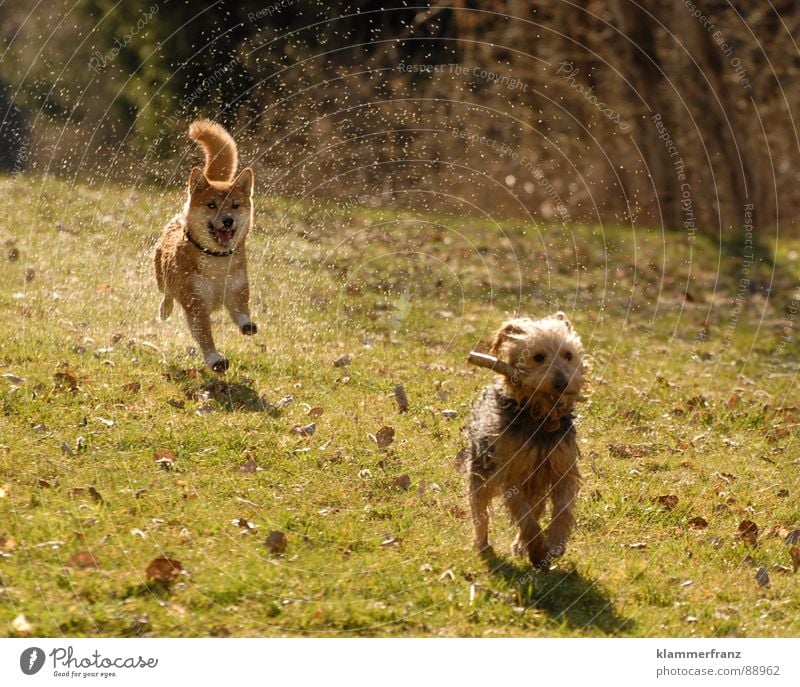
[560, 383]
[227, 221]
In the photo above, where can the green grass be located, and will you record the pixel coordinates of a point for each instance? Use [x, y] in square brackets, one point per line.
[407, 296]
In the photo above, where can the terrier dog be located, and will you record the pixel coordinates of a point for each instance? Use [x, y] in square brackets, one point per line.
[200, 260]
[521, 439]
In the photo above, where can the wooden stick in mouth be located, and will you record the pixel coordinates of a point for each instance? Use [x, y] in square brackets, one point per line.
[492, 363]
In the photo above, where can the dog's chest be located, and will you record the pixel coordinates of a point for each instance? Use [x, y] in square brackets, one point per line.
[521, 458]
[525, 453]
[213, 278]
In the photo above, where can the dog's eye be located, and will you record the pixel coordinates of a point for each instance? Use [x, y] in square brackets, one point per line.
[212, 205]
[568, 355]
[539, 357]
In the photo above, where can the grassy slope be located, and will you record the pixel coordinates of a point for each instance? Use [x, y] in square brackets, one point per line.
[407, 297]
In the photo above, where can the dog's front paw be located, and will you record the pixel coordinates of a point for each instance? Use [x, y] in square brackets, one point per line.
[537, 553]
[220, 365]
[248, 328]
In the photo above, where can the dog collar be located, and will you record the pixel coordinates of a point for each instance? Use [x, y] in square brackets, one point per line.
[208, 251]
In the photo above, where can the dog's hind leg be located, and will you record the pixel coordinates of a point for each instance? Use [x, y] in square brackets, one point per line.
[563, 495]
[200, 326]
[479, 497]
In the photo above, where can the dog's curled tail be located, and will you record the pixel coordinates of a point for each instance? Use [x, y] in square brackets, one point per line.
[219, 147]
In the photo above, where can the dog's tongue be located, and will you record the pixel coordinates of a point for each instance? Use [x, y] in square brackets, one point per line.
[224, 236]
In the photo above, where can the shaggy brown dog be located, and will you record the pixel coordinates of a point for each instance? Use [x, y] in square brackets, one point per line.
[522, 443]
[200, 260]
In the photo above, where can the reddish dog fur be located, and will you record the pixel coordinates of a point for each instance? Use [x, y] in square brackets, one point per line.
[200, 260]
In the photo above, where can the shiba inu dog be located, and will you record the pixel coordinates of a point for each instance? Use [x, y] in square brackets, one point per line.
[200, 259]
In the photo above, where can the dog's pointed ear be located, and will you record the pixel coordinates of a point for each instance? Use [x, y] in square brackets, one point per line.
[506, 330]
[561, 316]
[197, 181]
[244, 182]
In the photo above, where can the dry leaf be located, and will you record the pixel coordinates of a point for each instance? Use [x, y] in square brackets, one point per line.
[342, 361]
[637, 545]
[726, 476]
[83, 559]
[748, 531]
[283, 402]
[131, 387]
[66, 378]
[95, 494]
[400, 397]
[276, 542]
[793, 537]
[249, 467]
[7, 544]
[794, 552]
[402, 482]
[698, 523]
[316, 412]
[450, 414]
[164, 458]
[384, 437]
[66, 450]
[626, 451]
[164, 570]
[458, 512]
[244, 524]
[667, 501]
[5, 491]
[762, 577]
[305, 430]
[21, 626]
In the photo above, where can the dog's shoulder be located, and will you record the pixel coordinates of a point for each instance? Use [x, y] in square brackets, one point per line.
[173, 251]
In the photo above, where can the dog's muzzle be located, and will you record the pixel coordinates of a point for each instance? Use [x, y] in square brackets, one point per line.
[223, 234]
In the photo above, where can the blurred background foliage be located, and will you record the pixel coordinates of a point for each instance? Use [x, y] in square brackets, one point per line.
[463, 98]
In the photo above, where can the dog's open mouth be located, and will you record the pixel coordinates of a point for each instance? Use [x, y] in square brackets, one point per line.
[222, 236]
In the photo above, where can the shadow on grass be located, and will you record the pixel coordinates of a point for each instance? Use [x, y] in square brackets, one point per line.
[230, 396]
[564, 595]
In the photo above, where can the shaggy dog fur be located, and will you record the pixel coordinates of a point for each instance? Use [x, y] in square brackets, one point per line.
[522, 441]
[200, 260]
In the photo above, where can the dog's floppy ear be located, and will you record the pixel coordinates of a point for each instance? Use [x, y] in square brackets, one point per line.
[561, 316]
[197, 180]
[505, 331]
[244, 182]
